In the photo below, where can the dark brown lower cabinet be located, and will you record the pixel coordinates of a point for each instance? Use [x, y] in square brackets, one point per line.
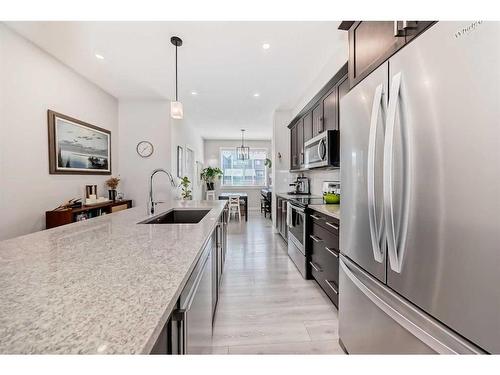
[324, 254]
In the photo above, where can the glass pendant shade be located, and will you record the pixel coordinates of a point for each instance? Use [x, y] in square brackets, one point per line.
[176, 111]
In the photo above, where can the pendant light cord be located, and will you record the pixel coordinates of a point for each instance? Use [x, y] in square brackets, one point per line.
[176, 97]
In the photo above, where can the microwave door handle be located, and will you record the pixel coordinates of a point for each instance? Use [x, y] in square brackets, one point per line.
[375, 227]
[322, 149]
[396, 238]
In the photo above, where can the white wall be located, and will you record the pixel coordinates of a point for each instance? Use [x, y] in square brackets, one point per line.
[212, 159]
[185, 135]
[145, 120]
[31, 82]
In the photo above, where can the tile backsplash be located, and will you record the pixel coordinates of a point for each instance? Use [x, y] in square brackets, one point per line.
[318, 176]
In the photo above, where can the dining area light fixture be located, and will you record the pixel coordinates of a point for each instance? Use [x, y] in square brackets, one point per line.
[243, 152]
[176, 110]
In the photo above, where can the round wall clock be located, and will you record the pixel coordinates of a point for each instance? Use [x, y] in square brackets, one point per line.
[145, 149]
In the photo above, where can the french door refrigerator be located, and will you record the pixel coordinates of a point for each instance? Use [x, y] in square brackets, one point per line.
[420, 219]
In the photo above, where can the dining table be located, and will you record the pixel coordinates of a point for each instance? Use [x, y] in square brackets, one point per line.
[243, 197]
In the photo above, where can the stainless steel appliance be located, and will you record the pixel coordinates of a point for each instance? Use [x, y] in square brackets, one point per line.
[420, 248]
[331, 187]
[297, 227]
[191, 332]
[322, 150]
[296, 222]
[301, 186]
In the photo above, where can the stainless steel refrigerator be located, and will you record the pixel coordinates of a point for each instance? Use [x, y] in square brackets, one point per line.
[420, 219]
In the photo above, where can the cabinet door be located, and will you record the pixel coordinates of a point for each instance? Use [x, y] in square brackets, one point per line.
[300, 141]
[293, 148]
[317, 117]
[308, 126]
[343, 89]
[330, 110]
[371, 43]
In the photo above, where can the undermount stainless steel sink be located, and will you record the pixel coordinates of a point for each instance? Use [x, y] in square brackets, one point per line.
[178, 216]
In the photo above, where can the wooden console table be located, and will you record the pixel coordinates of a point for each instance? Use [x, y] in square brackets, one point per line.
[71, 215]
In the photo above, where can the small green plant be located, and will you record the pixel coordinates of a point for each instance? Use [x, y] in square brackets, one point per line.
[209, 175]
[186, 192]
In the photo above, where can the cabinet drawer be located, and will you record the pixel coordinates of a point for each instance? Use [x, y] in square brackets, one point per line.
[329, 223]
[330, 287]
[323, 236]
[326, 259]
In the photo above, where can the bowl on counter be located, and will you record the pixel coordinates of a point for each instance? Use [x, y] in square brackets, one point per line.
[331, 198]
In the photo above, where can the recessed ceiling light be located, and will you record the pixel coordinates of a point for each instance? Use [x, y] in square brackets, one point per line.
[266, 46]
[194, 92]
[256, 95]
[99, 56]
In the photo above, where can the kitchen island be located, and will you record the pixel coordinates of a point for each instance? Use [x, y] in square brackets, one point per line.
[106, 285]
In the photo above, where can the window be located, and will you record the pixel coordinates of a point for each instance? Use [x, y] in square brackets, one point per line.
[251, 172]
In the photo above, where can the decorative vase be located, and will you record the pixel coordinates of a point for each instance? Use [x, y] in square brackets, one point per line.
[112, 194]
[210, 186]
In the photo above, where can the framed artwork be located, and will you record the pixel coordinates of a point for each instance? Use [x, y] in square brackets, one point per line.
[76, 147]
[179, 162]
[199, 169]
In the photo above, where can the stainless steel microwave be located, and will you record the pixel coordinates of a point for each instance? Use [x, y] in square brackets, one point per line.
[323, 150]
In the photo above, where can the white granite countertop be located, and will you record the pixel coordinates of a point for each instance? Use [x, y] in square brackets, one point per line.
[291, 196]
[332, 210]
[106, 285]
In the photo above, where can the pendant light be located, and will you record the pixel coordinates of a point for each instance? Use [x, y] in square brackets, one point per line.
[242, 152]
[176, 110]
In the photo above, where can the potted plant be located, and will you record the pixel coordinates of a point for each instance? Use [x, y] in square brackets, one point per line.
[185, 193]
[112, 183]
[209, 175]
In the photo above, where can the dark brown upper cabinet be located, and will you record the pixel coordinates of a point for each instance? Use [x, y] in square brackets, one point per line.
[320, 114]
[300, 141]
[308, 126]
[294, 159]
[373, 42]
[330, 110]
[317, 118]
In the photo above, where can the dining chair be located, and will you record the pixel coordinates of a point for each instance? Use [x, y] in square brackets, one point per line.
[234, 206]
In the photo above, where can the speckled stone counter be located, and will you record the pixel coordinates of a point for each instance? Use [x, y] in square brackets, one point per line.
[106, 285]
[332, 210]
[291, 196]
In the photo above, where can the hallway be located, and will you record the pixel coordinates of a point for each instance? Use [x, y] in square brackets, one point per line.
[265, 306]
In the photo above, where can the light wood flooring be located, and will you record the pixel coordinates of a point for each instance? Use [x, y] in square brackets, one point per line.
[265, 305]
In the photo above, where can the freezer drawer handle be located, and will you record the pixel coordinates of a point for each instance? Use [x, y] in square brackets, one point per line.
[332, 287]
[376, 226]
[332, 225]
[404, 322]
[331, 251]
[315, 238]
[316, 268]
[396, 237]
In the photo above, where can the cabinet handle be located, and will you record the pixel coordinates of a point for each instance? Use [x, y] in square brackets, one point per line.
[179, 315]
[331, 251]
[315, 217]
[397, 30]
[409, 25]
[332, 225]
[332, 287]
[315, 267]
[315, 238]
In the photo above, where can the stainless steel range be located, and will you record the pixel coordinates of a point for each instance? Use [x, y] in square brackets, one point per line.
[297, 227]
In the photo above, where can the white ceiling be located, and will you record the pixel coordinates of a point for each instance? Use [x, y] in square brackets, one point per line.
[223, 61]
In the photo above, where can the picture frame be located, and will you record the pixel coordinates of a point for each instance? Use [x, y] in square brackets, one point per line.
[180, 163]
[77, 147]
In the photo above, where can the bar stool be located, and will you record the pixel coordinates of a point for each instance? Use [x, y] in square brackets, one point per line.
[210, 195]
[234, 206]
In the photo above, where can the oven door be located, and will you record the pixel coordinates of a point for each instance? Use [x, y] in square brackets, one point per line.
[296, 226]
[316, 151]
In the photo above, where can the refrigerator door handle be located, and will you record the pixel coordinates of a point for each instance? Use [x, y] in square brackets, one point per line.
[376, 228]
[396, 237]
